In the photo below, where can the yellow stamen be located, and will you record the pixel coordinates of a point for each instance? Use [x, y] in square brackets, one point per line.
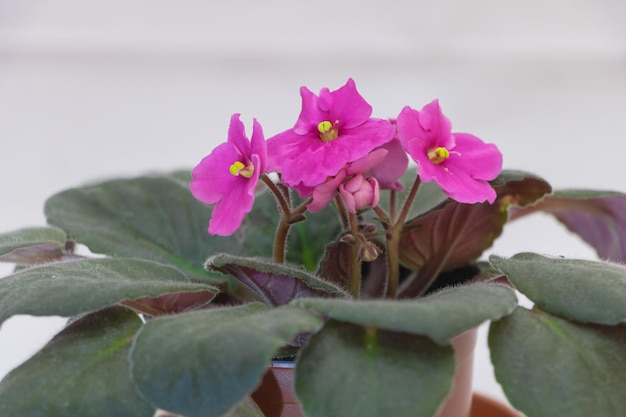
[324, 126]
[238, 168]
[438, 155]
[327, 131]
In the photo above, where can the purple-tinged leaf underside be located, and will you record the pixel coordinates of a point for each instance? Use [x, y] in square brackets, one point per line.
[273, 284]
[455, 234]
[599, 218]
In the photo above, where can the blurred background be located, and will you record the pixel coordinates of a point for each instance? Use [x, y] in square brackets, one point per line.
[92, 90]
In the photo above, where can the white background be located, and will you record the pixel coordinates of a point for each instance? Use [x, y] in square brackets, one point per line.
[91, 90]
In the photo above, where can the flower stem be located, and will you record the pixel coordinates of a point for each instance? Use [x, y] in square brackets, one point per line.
[349, 221]
[392, 204]
[280, 241]
[288, 217]
[393, 242]
[354, 278]
[393, 266]
[399, 222]
[383, 217]
[281, 198]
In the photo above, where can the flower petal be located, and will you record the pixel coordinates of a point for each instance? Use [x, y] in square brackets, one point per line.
[349, 107]
[258, 146]
[310, 115]
[428, 125]
[229, 212]
[460, 186]
[237, 135]
[392, 167]
[368, 162]
[211, 178]
[324, 193]
[436, 128]
[481, 160]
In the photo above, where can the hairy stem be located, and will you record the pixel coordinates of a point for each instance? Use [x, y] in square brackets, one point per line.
[350, 222]
[288, 216]
[393, 242]
[281, 197]
[354, 279]
[280, 241]
[399, 222]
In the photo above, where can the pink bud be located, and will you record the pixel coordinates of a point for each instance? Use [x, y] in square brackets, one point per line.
[359, 193]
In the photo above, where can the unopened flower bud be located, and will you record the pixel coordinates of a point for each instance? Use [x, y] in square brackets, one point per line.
[370, 251]
[369, 229]
[359, 193]
[348, 238]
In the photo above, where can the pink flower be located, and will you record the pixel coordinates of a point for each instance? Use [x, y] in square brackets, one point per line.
[333, 129]
[228, 176]
[460, 163]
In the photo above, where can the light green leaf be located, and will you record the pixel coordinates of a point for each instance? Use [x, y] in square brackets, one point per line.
[440, 316]
[82, 372]
[586, 291]
[349, 370]
[549, 366]
[201, 364]
[71, 288]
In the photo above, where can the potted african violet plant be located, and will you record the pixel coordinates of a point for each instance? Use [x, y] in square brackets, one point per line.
[327, 249]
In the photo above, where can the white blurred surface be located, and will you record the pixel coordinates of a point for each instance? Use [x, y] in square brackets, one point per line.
[92, 90]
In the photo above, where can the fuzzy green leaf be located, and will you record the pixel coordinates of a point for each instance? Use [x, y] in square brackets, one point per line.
[154, 218]
[246, 408]
[32, 246]
[350, 370]
[82, 372]
[549, 366]
[71, 288]
[201, 364]
[582, 290]
[440, 316]
[157, 218]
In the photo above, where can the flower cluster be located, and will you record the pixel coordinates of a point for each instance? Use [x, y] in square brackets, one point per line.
[337, 151]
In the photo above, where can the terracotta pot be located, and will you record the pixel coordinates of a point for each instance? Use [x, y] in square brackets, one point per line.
[276, 398]
[459, 400]
[483, 406]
